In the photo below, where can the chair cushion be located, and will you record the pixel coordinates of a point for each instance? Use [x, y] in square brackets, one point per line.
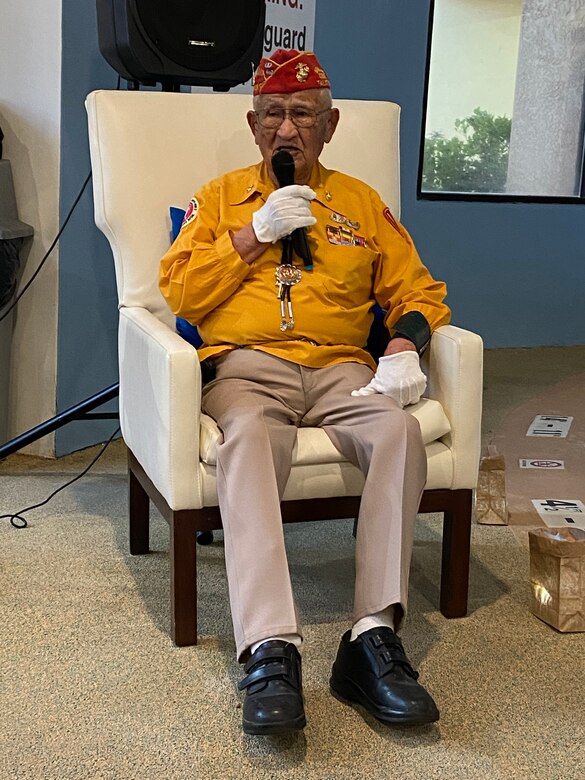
[314, 446]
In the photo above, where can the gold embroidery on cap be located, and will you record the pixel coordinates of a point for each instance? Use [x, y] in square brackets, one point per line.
[321, 75]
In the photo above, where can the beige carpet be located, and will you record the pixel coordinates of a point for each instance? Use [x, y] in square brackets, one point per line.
[91, 687]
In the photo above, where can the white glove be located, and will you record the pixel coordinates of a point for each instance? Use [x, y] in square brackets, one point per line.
[285, 210]
[398, 376]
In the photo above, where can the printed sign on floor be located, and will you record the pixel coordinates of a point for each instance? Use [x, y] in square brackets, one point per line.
[553, 426]
[541, 463]
[555, 512]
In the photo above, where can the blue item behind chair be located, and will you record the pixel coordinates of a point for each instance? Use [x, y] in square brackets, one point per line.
[184, 328]
[177, 217]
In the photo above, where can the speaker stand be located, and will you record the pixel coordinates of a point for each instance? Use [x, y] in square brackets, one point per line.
[81, 411]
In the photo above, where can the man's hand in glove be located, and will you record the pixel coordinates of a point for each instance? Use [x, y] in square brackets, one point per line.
[285, 210]
[398, 376]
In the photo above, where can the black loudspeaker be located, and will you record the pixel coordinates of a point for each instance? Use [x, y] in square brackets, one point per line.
[214, 44]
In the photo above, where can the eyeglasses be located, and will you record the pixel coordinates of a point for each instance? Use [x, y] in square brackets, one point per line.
[271, 118]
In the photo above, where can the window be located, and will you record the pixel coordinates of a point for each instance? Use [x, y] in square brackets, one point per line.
[504, 100]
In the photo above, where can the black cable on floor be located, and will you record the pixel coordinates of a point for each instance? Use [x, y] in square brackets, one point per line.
[18, 521]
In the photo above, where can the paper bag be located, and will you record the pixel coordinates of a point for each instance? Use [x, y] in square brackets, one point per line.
[557, 576]
[490, 496]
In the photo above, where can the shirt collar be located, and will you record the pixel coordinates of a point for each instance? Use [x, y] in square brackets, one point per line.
[258, 182]
[255, 182]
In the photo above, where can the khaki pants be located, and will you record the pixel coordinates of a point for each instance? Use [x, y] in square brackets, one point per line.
[258, 401]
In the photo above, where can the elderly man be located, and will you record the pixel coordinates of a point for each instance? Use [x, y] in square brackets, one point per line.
[286, 337]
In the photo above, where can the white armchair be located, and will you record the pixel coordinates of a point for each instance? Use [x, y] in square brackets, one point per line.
[152, 150]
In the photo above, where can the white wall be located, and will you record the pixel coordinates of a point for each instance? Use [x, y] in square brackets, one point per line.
[475, 47]
[30, 95]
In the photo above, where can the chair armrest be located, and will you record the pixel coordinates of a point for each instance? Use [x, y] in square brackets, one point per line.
[160, 403]
[454, 368]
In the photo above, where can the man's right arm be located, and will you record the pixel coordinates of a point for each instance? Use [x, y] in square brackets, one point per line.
[204, 267]
[247, 245]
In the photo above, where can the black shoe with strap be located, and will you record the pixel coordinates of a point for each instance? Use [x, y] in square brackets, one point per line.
[273, 685]
[374, 671]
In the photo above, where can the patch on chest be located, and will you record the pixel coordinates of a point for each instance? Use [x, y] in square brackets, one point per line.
[341, 220]
[343, 236]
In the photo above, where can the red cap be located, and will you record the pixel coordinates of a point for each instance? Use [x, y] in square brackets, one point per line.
[289, 71]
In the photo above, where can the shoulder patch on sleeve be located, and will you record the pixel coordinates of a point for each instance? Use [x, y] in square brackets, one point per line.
[191, 212]
[389, 218]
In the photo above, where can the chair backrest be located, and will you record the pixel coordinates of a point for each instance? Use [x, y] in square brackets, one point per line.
[152, 150]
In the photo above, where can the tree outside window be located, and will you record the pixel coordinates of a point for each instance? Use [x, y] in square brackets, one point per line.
[474, 160]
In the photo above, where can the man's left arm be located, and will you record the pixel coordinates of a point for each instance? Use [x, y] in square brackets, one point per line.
[403, 286]
[414, 304]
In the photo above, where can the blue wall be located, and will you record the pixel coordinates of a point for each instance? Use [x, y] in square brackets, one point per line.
[88, 315]
[515, 272]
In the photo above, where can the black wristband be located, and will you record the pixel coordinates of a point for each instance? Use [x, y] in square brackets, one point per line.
[413, 326]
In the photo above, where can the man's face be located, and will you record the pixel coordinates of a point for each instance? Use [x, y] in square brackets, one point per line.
[303, 143]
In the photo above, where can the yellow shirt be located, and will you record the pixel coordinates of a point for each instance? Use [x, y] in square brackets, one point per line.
[361, 255]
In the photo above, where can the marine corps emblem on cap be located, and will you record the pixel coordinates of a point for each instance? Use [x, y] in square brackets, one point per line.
[288, 71]
[302, 70]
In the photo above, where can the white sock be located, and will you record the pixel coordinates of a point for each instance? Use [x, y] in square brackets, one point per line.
[294, 639]
[384, 618]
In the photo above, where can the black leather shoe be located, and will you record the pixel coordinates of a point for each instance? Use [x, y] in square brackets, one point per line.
[274, 696]
[374, 671]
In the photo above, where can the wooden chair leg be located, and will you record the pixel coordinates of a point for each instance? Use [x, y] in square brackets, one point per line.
[139, 510]
[456, 554]
[183, 555]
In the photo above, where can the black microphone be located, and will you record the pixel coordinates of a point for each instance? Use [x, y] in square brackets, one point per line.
[283, 166]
